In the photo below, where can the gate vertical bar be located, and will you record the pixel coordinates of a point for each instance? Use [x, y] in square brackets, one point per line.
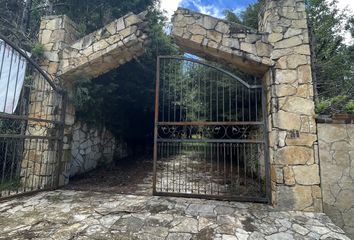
[266, 145]
[31, 128]
[213, 146]
[61, 138]
[157, 94]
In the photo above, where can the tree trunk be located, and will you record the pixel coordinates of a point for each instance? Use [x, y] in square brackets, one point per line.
[26, 16]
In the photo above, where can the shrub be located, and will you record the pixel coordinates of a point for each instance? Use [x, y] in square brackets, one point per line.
[335, 105]
[37, 51]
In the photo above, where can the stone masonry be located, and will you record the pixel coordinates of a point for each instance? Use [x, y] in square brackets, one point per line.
[336, 152]
[292, 127]
[90, 147]
[219, 40]
[105, 49]
[55, 32]
[280, 52]
[68, 58]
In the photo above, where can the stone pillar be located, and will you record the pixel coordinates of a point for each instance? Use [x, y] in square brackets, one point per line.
[39, 167]
[57, 33]
[295, 179]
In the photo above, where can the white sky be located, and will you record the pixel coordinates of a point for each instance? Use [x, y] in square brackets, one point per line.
[347, 4]
[171, 5]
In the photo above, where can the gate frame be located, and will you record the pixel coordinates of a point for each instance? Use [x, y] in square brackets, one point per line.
[60, 125]
[268, 196]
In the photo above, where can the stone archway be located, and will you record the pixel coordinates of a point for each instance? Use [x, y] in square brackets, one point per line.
[69, 58]
[279, 52]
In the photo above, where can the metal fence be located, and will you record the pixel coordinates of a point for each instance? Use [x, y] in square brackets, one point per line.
[210, 133]
[32, 112]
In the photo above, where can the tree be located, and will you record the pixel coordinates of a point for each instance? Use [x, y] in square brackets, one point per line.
[333, 64]
[231, 16]
[248, 17]
[333, 60]
[11, 20]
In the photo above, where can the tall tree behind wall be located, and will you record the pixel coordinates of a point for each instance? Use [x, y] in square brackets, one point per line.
[333, 60]
[334, 67]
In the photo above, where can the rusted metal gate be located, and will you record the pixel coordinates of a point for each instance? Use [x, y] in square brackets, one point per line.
[32, 112]
[210, 133]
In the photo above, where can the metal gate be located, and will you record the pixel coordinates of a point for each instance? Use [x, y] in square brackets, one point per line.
[32, 112]
[210, 133]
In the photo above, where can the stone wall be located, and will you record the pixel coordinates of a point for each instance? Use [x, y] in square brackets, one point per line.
[90, 148]
[336, 152]
[279, 51]
[292, 127]
[106, 48]
[222, 41]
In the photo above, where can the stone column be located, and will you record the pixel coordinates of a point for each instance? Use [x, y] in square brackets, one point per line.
[63, 33]
[40, 163]
[295, 179]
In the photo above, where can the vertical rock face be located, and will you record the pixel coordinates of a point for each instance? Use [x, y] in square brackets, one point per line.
[291, 107]
[336, 145]
[280, 52]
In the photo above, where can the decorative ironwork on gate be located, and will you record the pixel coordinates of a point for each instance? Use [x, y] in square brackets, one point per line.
[32, 112]
[210, 133]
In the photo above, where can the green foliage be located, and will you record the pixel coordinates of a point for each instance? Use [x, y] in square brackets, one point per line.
[89, 100]
[335, 105]
[123, 99]
[231, 16]
[37, 51]
[248, 17]
[334, 64]
[11, 185]
[334, 61]
[349, 107]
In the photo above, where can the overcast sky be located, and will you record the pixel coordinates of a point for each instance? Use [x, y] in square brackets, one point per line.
[215, 7]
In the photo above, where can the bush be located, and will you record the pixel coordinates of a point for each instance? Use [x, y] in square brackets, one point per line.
[349, 107]
[37, 51]
[335, 105]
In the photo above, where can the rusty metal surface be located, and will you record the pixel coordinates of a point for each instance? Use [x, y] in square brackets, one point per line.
[210, 134]
[31, 132]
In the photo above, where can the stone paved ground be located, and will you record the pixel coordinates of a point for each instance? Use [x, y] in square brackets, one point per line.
[67, 214]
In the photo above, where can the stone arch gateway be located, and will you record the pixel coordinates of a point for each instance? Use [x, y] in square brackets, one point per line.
[279, 52]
